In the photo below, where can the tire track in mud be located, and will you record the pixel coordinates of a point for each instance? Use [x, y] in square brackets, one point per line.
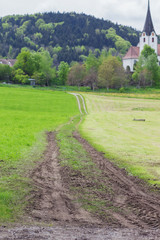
[51, 201]
[140, 207]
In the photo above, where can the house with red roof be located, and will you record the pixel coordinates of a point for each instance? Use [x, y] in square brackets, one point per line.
[148, 37]
[9, 62]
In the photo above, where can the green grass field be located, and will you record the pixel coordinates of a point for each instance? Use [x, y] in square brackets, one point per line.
[25, 115]
[134, 145]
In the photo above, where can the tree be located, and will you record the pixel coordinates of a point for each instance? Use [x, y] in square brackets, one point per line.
[63, 70]
[147, 71]
[25, 62]
[105, 74]
[111, 73]
[76, 75]
[147, 51]
[46, 63]
[92, 65]
[21, 77]
[5, 72]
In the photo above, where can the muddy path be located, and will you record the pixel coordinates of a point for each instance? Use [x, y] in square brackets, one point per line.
[139, 206]
[53, 202]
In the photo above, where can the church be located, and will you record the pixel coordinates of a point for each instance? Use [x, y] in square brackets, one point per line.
[148, 37]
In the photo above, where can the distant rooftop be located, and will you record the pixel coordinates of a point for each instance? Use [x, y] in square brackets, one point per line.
[9, 62]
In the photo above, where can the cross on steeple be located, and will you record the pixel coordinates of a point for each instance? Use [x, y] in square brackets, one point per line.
[148, 26]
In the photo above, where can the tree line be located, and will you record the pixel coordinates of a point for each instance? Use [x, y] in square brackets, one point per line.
[103, 71]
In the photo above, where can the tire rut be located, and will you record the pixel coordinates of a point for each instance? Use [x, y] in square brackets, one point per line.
[51, 201]
[139, 206]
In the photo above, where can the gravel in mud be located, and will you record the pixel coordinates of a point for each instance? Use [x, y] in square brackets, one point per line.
[76, 233]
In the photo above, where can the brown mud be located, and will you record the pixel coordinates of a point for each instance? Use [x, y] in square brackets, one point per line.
[53, 202]
[139, 205]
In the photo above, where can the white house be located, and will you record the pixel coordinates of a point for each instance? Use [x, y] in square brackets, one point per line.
[148, 37]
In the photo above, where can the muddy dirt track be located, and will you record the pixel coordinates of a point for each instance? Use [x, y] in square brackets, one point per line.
[53, 202]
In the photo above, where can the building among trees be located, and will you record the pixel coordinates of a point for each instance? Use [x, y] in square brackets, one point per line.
[148, 37]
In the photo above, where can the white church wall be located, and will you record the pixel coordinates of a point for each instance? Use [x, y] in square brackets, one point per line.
[130, 63]
[151, 40]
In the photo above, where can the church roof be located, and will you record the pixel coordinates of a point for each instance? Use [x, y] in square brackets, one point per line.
[148, 26]
[133, 53]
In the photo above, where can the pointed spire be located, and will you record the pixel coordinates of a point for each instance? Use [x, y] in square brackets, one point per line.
[148, 26]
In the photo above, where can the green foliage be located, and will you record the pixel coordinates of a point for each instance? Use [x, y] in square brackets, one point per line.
[20, 77]
[147, 71]
[77, 31]
[38, 36]
[63, 70]
[5, 73]
[111, 73]
[91, 62]
[37, 65]
[25, 62]
[46, 63]
[6, 26]
[76, 75]
[147, 51]
[120, 44]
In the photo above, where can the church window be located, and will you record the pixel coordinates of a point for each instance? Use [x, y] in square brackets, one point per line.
[144, 34]
[152, 33]
[144, 39]
[152, 39]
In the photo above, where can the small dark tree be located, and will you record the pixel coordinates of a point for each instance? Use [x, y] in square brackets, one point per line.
[76, 75]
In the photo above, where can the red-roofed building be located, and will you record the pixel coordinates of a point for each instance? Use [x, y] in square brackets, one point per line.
[148, 37]
[9, 62]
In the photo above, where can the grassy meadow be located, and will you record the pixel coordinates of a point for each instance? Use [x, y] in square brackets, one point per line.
[134, 145]
[25, 115]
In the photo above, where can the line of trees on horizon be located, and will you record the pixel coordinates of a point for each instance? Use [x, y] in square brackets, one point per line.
[104, 71]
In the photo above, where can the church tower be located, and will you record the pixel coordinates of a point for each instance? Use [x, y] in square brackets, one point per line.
[148, 36]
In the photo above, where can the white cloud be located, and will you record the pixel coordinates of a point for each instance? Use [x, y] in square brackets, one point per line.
[126, 12]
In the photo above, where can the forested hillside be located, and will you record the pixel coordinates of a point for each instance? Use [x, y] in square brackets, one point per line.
[67, 36]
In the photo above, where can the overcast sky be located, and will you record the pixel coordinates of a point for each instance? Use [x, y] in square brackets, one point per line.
[126, 12]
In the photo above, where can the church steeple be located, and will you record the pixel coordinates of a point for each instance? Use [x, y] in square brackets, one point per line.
[148, 26]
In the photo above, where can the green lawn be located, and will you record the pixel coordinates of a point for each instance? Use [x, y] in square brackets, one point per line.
[25, 115]
[133, 145]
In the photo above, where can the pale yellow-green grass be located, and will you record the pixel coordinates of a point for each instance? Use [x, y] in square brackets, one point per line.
[134, 145]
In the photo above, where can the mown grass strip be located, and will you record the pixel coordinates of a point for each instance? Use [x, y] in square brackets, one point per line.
[130, 144]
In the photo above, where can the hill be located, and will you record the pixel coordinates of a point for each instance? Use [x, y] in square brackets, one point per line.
[67, 36]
